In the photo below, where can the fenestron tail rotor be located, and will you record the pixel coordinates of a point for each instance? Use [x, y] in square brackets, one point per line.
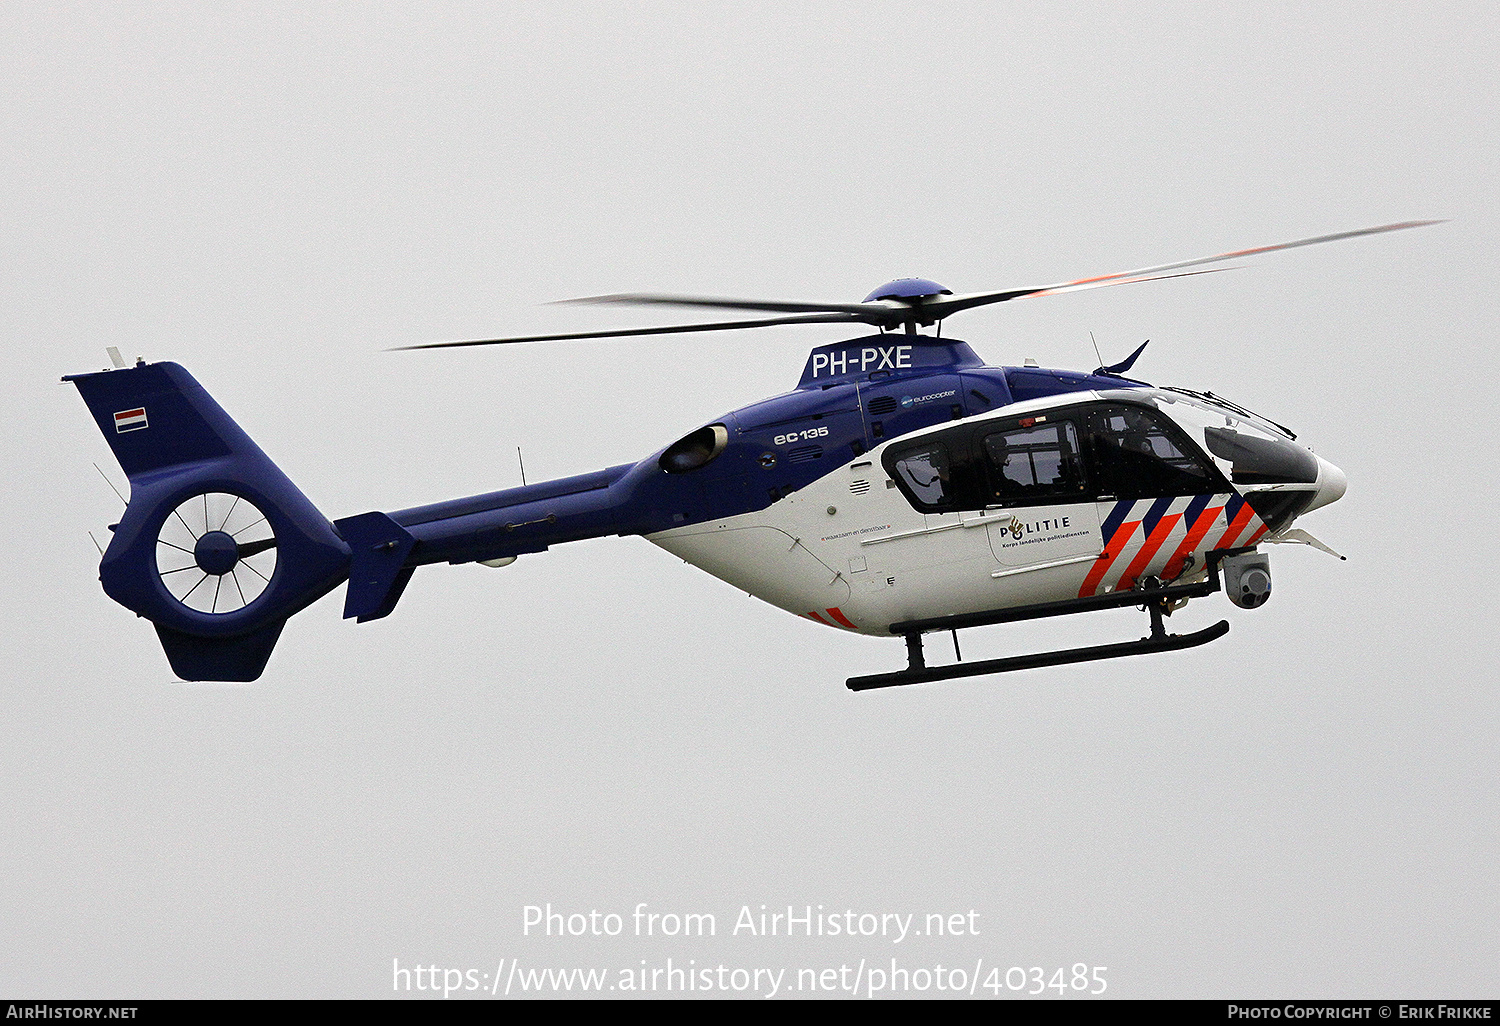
[906, 303]
[216, 552]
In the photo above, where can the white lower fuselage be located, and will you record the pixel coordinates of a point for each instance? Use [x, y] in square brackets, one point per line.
[851, 552]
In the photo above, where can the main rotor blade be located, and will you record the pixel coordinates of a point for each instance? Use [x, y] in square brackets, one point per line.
[1099, 283]
[945, 305]
[927, 311]
[890, 313]
[862, 310]
[821, 318]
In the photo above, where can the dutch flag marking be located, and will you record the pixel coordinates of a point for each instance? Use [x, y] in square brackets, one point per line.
[131, 420]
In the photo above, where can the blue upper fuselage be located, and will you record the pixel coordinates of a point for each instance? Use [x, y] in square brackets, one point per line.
[853, 396]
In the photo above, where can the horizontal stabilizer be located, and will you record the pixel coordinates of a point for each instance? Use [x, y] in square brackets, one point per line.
[377, 573]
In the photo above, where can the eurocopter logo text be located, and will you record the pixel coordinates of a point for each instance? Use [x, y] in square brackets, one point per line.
[907, 400]
[845, 361]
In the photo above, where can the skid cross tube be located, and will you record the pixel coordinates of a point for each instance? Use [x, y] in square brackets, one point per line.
[1154, 598]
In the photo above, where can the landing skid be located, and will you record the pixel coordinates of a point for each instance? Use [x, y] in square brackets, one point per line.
[922, 674]
[1154, 597]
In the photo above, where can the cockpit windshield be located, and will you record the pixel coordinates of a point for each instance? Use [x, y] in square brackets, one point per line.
[1217, 404]
[1257, 459]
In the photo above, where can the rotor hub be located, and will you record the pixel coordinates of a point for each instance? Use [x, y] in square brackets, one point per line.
[908, 288]
[216, 552]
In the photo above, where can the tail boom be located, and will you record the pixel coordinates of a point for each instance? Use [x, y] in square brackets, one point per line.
[175, 443]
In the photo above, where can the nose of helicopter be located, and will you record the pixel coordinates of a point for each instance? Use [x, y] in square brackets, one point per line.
[1332, 484]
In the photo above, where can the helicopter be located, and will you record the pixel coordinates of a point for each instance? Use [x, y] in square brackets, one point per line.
[902, 488]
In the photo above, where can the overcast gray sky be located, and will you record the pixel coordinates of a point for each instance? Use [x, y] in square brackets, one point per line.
[273, 194]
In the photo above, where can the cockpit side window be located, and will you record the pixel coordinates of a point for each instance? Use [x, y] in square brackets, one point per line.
[927, 474]
[1139, 456]
[1034, 461]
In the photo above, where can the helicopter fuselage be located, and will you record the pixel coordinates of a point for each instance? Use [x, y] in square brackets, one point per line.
[902, 487]
[904, 479]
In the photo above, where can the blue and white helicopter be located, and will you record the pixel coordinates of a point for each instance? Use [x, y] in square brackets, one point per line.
[902, 488]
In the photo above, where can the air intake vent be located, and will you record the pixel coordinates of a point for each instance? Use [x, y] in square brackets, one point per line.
[859, 487]
[881, 405]
[804, 453]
